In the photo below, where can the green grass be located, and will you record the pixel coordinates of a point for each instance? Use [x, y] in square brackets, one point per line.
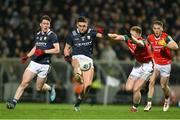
[65, 111]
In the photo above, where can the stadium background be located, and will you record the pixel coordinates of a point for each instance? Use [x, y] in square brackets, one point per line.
[19, 20]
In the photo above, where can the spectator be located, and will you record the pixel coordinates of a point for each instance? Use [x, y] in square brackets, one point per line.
[21, 18]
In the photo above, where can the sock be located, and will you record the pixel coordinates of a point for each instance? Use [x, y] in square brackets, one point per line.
[136, 105]
[167, 97]
[78, 102]
[149, 99]
[14, 101]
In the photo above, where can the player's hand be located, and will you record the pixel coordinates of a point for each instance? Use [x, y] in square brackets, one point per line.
[24, 59]
[162, 42]
[68, 58]
[38, 52]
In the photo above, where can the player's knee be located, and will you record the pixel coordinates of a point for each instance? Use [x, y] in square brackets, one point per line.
[163, 86]
[128, 88]
[38, 88]
[136, 89]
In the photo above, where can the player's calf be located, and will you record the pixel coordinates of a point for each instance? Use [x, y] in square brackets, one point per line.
[77, 105]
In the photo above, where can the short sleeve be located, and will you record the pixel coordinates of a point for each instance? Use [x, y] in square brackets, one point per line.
[54, 38]
[126, 37]
[69, 39]
[93, 33]
[169, 39]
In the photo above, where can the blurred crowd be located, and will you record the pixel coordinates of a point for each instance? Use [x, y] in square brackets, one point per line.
[19, 21]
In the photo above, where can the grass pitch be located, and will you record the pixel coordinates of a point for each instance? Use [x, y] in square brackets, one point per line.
[65, 111]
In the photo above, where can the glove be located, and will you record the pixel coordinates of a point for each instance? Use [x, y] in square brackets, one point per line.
[162, 43]
[100, 30]
[68, 58]
[38, 52]
[24, 59]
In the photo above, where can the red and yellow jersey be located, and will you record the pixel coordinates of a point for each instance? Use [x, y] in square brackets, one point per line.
[141, 54]
[161, 55]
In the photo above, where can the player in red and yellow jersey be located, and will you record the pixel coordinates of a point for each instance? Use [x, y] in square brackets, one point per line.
[143, 67]
[162, 44]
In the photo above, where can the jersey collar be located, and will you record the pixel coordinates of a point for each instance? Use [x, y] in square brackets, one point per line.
[44, 32]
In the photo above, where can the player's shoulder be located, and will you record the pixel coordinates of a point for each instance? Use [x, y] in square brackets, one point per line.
[38, 33]
[91, 28]
[150, 37]
[164, 34]
[51, 33]
[73, 32]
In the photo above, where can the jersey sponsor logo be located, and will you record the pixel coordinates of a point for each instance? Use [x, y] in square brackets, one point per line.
[76, 39]
[41, 44]
[83, 44]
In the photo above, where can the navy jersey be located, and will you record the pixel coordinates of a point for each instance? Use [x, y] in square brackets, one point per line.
[82, 44]
[44, 41]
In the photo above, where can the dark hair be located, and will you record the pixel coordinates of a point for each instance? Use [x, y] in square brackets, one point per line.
[136, 29]
[45, 17]
[157, 22]
[81, 19]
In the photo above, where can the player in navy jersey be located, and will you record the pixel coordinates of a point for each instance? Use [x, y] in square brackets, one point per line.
[78, 51]
[46, 44]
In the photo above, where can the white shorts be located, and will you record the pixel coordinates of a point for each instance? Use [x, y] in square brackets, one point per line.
[141, 71]
[164, 70]
[80, 58]
[40, 69]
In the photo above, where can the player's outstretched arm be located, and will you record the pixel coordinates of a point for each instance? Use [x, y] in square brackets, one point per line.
[116, 36]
